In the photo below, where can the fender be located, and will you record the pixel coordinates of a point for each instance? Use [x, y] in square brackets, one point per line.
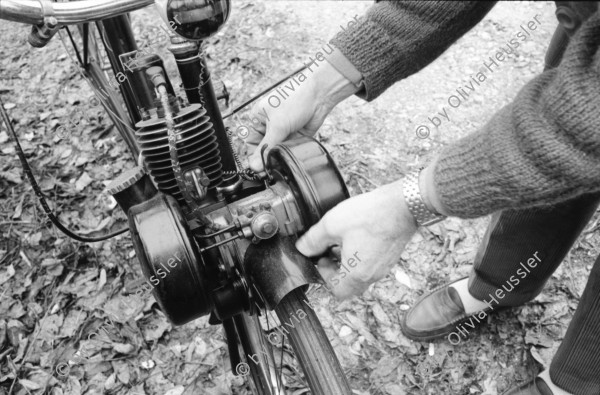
[276, 268]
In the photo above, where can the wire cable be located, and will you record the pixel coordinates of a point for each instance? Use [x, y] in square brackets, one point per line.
[38, 191]
[252, 100]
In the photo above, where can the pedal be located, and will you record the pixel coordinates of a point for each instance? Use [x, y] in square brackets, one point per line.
[221, 91]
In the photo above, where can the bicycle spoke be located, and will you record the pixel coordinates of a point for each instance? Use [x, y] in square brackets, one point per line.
[279, 377]
[281, 361]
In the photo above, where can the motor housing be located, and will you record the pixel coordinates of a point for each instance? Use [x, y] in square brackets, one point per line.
[170, 259]
[310, 172]
[193, 274]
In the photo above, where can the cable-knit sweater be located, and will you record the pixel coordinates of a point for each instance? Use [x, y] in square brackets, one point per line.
[541, 149]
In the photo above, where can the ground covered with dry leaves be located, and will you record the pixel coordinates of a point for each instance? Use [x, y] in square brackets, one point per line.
[55, 294]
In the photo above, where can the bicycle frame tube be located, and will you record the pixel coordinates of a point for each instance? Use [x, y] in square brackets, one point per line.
[118, 39]
[120, 118]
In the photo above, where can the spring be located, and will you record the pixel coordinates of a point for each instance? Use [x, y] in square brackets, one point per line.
[245, 173]
[196, 146]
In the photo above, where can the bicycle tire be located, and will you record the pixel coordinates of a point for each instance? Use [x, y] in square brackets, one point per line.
[311, 346]
[259, 366]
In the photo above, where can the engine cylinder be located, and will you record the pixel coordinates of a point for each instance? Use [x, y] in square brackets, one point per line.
[196, 147]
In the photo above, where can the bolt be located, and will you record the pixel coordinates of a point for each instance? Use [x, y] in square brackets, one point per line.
[268, 228]
[205, 181]
[51, 22]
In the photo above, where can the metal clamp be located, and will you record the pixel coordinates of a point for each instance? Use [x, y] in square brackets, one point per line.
[42, 34]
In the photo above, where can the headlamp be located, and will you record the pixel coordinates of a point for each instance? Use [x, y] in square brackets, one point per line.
[194, 19]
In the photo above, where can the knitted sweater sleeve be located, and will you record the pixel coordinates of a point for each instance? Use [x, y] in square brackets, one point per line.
[395, 39]
[541, 149]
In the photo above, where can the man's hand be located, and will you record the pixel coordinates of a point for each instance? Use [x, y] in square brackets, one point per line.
[372, 230]
[302, 111]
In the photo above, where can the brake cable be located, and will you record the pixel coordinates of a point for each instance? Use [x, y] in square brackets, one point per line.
[38, 191]
[261, 93]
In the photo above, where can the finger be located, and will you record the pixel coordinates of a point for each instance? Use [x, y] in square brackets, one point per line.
[270, 140]
[349, 287]
[316, 240]
[327, 268]
[358, 269]
[252, 123]
[258, 112]
[252, 141]
[358, 279]
[258, 126]
[336, 251]
[307, 132]
[255, 160]
[347, 282]
[256, 134]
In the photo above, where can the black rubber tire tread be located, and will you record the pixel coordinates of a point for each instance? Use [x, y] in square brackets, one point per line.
[262, 374]
[311, 346]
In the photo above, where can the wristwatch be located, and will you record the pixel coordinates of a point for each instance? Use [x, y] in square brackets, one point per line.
[412, 195]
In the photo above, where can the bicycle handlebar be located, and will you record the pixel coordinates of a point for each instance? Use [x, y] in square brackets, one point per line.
[69, 13]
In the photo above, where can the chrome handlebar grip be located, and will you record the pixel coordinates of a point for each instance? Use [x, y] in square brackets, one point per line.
[70, 13]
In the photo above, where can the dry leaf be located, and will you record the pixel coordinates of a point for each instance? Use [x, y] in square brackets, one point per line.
[345, 331]
[123, 348]
[83, 182]
[12, 175]
[402, 277]
[30, 385]
[176, 391]
[7, 274]
[380, 315]
[19, 209]
[156, 327]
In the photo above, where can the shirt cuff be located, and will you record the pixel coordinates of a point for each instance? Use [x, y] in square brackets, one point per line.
[346, 68]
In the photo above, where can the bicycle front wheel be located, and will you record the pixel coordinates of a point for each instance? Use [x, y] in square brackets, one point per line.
[310, 346]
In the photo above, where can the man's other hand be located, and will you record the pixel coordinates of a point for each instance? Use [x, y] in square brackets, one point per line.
[372, 230]
[300, 109]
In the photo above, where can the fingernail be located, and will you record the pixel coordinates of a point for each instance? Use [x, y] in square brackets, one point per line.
[300, 244]
[256, 163]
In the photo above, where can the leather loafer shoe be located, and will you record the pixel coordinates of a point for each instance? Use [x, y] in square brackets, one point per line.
[438, 314]
[536, 386]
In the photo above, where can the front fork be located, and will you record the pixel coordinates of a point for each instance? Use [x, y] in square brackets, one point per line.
[260, 362]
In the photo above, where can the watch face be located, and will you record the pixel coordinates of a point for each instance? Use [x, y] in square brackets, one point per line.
[197, 19]
[412, 196]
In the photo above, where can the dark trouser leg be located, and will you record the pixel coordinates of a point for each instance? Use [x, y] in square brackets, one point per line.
[514, 236]
[576, 365]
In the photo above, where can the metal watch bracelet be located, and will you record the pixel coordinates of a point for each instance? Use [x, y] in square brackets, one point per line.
[412, 195]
